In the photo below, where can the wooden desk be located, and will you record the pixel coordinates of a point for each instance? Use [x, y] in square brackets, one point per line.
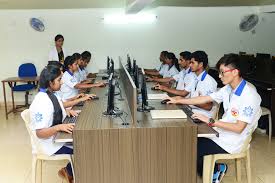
[150, 151]
[11, 82]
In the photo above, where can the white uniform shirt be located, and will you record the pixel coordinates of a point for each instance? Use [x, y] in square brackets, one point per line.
[53, 55]
[81, 75]
[67, 88]
[206, 85]
[158, 68]
[41, 112]
[188, 82]
[168, 72]
[241, 104]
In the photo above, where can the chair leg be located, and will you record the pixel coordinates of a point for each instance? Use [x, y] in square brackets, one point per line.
[27, 98]
[270, 127]
[72, 165]
[208, 168]
[238, 169]
[34, 163]
[248, 167]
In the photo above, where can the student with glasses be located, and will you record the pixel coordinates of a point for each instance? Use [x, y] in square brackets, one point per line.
[241, 104]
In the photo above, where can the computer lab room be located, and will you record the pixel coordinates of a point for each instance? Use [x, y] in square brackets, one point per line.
[137, 91]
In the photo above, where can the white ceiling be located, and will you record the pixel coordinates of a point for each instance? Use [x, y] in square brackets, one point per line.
[70, 4]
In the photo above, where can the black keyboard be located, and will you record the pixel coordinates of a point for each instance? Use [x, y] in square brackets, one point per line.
[188, 111]
[70, 120]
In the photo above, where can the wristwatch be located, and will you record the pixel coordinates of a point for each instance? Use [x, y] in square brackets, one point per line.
[211, 121]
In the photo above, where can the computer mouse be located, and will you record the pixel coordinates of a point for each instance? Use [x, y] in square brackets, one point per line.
[94, 97]
[165, 101]
[154, 88]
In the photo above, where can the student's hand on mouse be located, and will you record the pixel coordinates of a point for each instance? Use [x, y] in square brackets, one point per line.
[172, 101]
[160, 87]
[87, 97]
[201, 117]
[68, 128]
[149, 79]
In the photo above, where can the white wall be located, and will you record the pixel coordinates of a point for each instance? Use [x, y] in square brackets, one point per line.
[214, 30]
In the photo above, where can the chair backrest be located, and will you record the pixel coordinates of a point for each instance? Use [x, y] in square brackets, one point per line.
[247, 141]
[34, 139]
[27, 70]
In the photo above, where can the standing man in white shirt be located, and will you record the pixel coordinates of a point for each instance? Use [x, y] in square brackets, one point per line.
[241, 104]
[58, 53]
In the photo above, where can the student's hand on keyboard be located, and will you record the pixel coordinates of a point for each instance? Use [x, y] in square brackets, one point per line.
[149, 79]
[80, 95]
[73, 113]
[201, 117]
[87, 97]
[68, 128]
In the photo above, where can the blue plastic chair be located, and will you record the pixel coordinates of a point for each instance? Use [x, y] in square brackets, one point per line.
[26, 70]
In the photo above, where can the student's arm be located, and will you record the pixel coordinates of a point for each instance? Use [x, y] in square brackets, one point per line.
[153, 73]
[190, 101]
[182, 93]
[85, 86]
[150, 70]
[71, 103]
[208, 106]
[161, 80]
[49, 132]
[237, 127]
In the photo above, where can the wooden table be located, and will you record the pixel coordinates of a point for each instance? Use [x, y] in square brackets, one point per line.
[150, 151]
[11, 81]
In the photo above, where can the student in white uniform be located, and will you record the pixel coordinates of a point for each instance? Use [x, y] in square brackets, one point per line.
[185, 79]
[155, 72]
[241, 104]
[75, 100]
[83, 75]
[206, 84]
[58, 53]
[70, 84]
[47, 114]
[170, 68]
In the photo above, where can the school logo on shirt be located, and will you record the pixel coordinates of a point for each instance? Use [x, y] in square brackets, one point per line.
[234, 112]
[248, 111]
[38, 117]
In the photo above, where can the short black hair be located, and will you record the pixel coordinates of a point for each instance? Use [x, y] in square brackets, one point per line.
[69, 60]
[232, 60]
[86, 55]
[57, 64]
[164, 53]
[200, 57]
[58, 36]
[76, 56]
[186, 55]
[48, 74]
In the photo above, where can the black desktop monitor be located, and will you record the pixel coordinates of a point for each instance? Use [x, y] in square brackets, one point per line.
[144, 106]
[134, 66]
[129, 64]
[108, 64]
[136, 76]
[111, 111]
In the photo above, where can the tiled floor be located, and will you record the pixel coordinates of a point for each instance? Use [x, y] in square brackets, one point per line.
[15, 156]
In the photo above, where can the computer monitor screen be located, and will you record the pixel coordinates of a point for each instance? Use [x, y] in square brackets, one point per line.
[136, 76]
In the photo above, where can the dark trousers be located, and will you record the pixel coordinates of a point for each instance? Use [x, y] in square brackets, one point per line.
[66, 150]
[207, 147]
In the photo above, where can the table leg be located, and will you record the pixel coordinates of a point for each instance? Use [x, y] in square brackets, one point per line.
[12, 97]
[5, 100]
